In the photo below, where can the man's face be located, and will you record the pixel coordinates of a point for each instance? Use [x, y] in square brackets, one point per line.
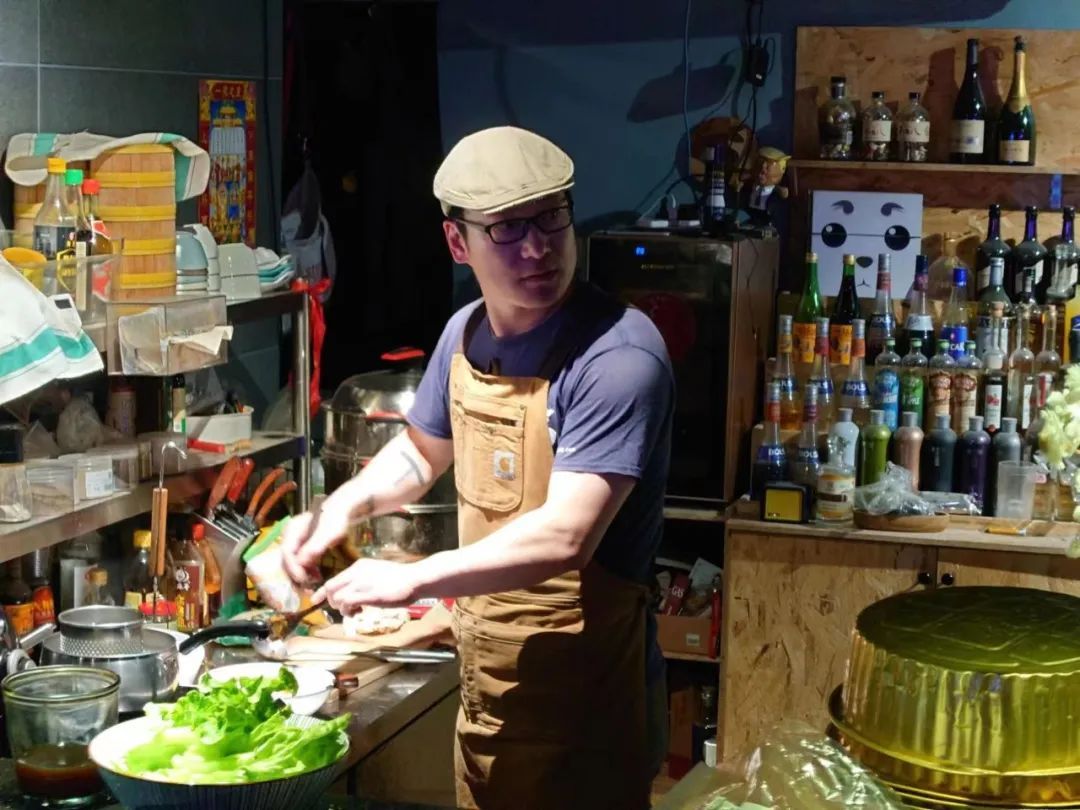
[530, 274]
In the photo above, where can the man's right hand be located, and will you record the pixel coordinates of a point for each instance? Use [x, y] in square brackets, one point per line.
[307, 537]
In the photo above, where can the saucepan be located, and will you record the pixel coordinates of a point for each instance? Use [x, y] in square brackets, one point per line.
[147, 660]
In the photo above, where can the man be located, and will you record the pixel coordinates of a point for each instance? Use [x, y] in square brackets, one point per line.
[554, 404]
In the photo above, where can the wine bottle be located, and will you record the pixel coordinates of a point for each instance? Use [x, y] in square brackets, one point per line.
[804, 329]
[1029, 254]
[882, 323]
[919, 324]
[1016, 123]
[845, 310]
[967, 142]
[993, 247]
[993, 301]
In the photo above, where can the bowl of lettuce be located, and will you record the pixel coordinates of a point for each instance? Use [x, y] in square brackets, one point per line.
[230, 744]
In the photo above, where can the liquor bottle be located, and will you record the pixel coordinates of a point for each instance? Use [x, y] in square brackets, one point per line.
[821, 375]
[919, 323]
[967, 137]
[873, 449]
[189, 571]
[835, 486]
[913, 131]
[844, 437]
[855, 393]
[877, 121]
[713, 206]
[836, 122]
[1048, 361]
[941, 279]
[886, 388]
[993, 303]
[938, 450]
[784, 375]
[913, 381]
[972, 458]
[1005, 446]
[1016, 122]
[995, 381]
[954, 327]
[965, 388]
[939, 383]
[54, 221]
[1044, 507]
[139, 581]
[1028, 307]
[1021, 376]
[907, 445]
[771, 462]
[101, 244]
[17, 599]
[804, 329]
[1039, 392]
[1028, 254]
[805, 468]
[71, 273]
[845, 310]
[992, 247]
[882, 323]
[1066, 257]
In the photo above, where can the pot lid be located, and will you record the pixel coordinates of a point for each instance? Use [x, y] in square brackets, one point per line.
[377, 392]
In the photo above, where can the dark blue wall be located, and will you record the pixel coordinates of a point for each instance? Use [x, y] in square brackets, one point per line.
[604, 78]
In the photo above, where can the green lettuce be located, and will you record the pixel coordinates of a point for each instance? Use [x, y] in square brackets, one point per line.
[233, 732]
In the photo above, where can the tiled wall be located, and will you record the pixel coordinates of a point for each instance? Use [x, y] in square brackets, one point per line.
[117, 67]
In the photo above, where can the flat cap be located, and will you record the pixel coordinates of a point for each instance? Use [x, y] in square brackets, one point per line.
[498, 168]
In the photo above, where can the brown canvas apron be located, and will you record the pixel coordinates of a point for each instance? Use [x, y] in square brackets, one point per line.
[552, 677]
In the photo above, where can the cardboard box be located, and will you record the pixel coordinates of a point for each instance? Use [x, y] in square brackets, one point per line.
[684, 634]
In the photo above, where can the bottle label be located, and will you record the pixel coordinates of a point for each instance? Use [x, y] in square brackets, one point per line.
[44, 605]
[1014, 151]
[772, 454]
[48, 239]
[840, 340]
[1025, 406]
[99, 483]
[965, 386]
[805, 336]
[188, 597]
[825, 389]
[1035, 270]
[878, 131]
[982, 278]
[887, 396]
[842, 134]
[787, 386]
[911, 394]
[966, 137]
[857, 389]
[984, 335]
[835, 494]
[992, 396]
[858, 347]
[957, 337]
[807, 455]
[914, 132]
[20, 617]
[784, 344]
[940, 392]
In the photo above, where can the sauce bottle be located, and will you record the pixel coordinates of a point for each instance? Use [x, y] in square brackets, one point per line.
[972, 455]
[17, 599]
[939, 447]
[907, 445]
[139, 581]
[873, 448]
[188, 580]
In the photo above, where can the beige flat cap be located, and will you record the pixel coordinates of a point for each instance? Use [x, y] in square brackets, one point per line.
[498, 168]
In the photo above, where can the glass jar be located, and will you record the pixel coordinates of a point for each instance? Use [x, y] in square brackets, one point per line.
[52, 714]
[877, 121]
[836, 122]
[913, 131]
[16, 503]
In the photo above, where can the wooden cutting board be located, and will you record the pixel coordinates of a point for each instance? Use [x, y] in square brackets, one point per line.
[432, 627]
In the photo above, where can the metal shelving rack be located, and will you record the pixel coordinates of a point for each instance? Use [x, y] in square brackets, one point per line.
[17, 539]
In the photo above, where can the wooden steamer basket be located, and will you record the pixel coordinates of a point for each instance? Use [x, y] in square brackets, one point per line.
[138, 205]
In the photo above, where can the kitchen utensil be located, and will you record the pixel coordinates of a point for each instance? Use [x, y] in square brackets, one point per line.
[412, 532]
[341, 464]
[313, 684]
[221, 485]
[191, 662]
[390, 655]
[282, 625]
[260, 491]
[109, 749]
[236, 488]
[100, 630]
[159, 513]
[52, 714]
[272, 501]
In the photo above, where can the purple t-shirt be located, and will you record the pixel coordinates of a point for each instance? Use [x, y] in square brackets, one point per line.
[609, 406]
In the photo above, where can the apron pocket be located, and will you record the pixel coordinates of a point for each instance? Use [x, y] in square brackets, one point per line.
[489, 437]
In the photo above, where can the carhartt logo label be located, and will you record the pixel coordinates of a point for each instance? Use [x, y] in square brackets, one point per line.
[504, 465]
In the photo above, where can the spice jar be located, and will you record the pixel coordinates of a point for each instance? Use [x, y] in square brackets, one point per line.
[16, 503]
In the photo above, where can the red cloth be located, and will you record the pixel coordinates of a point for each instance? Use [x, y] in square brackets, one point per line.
[317, 320]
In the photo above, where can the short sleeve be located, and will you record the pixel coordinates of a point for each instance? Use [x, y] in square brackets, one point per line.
[431, 408]
[616, 413]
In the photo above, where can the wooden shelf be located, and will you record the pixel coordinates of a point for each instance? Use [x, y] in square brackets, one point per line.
[700, 659]
[897, 166]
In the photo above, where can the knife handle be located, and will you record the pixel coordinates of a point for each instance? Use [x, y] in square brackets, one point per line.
[159, 513]
[240, 481]
[271, 502]
[262, 489]
[221, 486]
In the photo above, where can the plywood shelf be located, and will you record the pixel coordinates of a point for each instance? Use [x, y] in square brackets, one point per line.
[927, 168]
[701, 659]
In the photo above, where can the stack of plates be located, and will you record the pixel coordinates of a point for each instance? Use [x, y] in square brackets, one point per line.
[274, 271]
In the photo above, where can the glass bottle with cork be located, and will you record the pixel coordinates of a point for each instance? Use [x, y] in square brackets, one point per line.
[1029, 255]
[993, 302]
[913, 131]
[836, 483]
[967, 137]
[784, 375]
[804, 327]
[1048, 361]
[1016, 122]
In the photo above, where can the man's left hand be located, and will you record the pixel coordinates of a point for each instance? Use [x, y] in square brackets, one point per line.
[371, 582]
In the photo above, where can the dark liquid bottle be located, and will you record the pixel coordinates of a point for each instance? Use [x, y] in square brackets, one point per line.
[993, 247]
[967, 141]
[1016, 123]
[938, 450]
[845, 311]
[972, 456]
[1028, 256]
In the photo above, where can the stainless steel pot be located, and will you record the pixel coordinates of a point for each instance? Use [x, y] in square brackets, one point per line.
[415, 531]
[368, 410]
[115, 638]
[340, 464]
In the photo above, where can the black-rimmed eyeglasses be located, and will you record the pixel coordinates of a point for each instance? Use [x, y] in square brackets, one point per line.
[508, 231]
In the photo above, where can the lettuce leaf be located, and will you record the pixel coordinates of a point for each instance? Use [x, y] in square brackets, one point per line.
[233, 732]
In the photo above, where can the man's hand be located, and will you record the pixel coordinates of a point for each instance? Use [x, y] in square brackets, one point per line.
[371, 582]
[307, 537]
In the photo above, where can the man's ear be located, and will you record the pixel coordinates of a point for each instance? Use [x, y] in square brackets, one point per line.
[456, 241]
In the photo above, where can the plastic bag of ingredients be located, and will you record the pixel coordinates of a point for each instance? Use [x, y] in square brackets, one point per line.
[265, 569]
[892, 494]
[798, 768]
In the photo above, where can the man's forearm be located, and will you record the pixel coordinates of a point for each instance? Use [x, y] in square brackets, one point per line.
[398, 474]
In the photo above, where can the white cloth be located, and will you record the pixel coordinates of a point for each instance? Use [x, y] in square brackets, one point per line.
[39, 343]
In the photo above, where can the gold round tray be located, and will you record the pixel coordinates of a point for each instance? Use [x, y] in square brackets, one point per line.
[933, 782]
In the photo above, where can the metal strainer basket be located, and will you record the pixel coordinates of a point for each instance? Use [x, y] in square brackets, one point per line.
[100, 631]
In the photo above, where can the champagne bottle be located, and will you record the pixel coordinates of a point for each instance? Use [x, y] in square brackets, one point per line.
[1016, 123]
[967, 142]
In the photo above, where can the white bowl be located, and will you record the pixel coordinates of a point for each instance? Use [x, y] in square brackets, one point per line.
[313, 685]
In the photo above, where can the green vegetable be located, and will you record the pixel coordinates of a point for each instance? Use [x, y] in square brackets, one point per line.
[232, 732]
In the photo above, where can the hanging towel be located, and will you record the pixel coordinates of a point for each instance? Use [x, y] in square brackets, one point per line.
[39, 343]
[26, 155]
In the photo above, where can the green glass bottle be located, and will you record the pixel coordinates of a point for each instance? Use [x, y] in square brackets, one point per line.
[1016, 124]
[873, 448]
[804, 329]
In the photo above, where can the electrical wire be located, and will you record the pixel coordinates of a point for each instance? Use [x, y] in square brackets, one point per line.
[686, 84]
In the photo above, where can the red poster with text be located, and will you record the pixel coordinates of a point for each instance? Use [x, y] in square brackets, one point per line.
[227, 133]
